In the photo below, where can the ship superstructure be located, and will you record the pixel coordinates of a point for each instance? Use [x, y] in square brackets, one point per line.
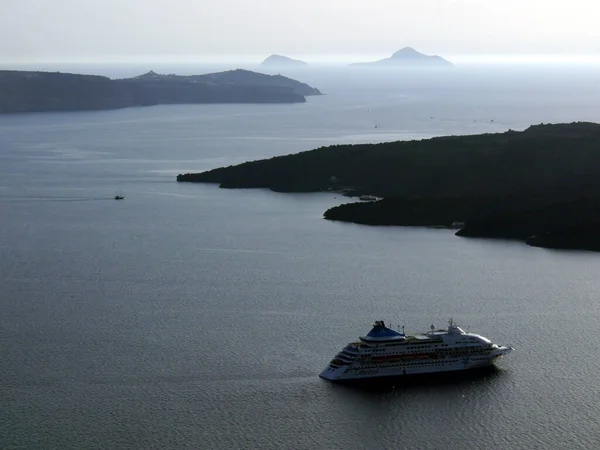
[384, 352]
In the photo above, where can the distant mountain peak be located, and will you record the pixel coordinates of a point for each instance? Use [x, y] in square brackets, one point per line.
[282, 61]
[406, 51]
[150, 74]
[409, 57]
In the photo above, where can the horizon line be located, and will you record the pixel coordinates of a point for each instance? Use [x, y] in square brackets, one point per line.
[318, 59]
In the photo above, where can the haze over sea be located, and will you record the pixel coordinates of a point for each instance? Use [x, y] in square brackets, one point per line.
[187, 316]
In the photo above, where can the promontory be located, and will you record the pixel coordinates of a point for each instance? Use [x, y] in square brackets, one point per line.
[540, 185]
[23, 91]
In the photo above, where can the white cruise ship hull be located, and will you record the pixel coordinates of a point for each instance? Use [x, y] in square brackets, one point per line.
[367, 370]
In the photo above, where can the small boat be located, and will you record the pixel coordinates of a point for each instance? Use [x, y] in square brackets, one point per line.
[119, 196]
[367, 198]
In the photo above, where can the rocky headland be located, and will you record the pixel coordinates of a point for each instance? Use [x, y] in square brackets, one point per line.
[22, 91]
[540, 185]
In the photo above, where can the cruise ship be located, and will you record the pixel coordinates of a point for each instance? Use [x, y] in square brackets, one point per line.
[384, 352]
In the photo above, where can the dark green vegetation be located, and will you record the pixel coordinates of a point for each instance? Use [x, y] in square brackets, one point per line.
[541, 185]
[45, 91]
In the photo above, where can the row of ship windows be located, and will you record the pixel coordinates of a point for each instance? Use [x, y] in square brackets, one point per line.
[414, 347]
[458, 354]
[411, 364]
[461, 349]
[384, 366]
[450, 360]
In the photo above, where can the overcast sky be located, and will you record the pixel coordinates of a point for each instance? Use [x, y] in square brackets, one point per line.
[96, 30]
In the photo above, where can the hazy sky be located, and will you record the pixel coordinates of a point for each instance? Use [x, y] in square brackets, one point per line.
[60, 30]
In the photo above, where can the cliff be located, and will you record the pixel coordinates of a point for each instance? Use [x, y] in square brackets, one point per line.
[43, 91]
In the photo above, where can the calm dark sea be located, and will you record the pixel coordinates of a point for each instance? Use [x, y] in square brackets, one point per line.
[187, 316]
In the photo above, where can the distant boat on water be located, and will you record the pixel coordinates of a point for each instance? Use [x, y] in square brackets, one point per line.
[119, 196]
[367, 198]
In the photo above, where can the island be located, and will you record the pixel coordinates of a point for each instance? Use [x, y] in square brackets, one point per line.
[25, 91]
[279, 61]
[539, 185]
[408, 57]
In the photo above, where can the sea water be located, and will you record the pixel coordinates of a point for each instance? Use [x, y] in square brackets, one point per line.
[187, 316]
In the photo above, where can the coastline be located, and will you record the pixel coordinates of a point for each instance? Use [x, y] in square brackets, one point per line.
[517, 185]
